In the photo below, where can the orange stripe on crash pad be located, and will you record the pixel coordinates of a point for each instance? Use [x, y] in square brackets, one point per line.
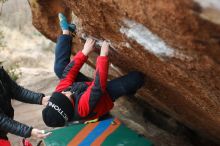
[82, 134]
[106, 133]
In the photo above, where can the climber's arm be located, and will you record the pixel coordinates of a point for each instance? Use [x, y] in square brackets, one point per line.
[94, 92]
[72, 69]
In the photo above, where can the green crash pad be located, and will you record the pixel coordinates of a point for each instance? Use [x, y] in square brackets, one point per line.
[109, 132]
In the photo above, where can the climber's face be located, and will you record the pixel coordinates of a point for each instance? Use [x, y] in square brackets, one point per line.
[67, 94]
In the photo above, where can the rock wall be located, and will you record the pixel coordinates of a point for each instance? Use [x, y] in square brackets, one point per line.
[168, 40]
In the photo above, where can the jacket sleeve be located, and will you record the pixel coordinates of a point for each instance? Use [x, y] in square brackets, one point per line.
[94, 92]
[27, 96]
[9, 125]
[20, 93]
[71, 71]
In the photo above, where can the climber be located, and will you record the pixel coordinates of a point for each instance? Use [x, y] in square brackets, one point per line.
[11, 90]
[77, 99]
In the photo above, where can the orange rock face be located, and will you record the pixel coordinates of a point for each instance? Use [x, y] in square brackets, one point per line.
[167, 40]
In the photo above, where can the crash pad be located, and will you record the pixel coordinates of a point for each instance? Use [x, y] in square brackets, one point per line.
[108, 132]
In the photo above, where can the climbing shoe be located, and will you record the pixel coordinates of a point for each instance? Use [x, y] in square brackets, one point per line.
[63, 22]
[72, 28]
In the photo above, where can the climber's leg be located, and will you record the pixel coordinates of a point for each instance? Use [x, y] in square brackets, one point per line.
[63, 49]
[62, 54]
[125, 85]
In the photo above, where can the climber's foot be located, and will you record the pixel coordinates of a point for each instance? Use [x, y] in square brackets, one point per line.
[63, 22]
[72, 28]
[66, 28]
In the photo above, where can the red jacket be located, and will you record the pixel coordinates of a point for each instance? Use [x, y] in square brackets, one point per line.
[89, 97]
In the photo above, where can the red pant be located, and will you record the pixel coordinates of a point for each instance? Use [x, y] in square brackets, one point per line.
[4, 142]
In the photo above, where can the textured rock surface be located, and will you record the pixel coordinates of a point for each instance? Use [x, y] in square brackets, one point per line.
[168, 40]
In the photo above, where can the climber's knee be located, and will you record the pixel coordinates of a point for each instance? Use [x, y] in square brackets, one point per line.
[137, 79]
[132, 82]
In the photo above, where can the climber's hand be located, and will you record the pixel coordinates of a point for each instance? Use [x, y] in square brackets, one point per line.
[104, 49]
[88, 47]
